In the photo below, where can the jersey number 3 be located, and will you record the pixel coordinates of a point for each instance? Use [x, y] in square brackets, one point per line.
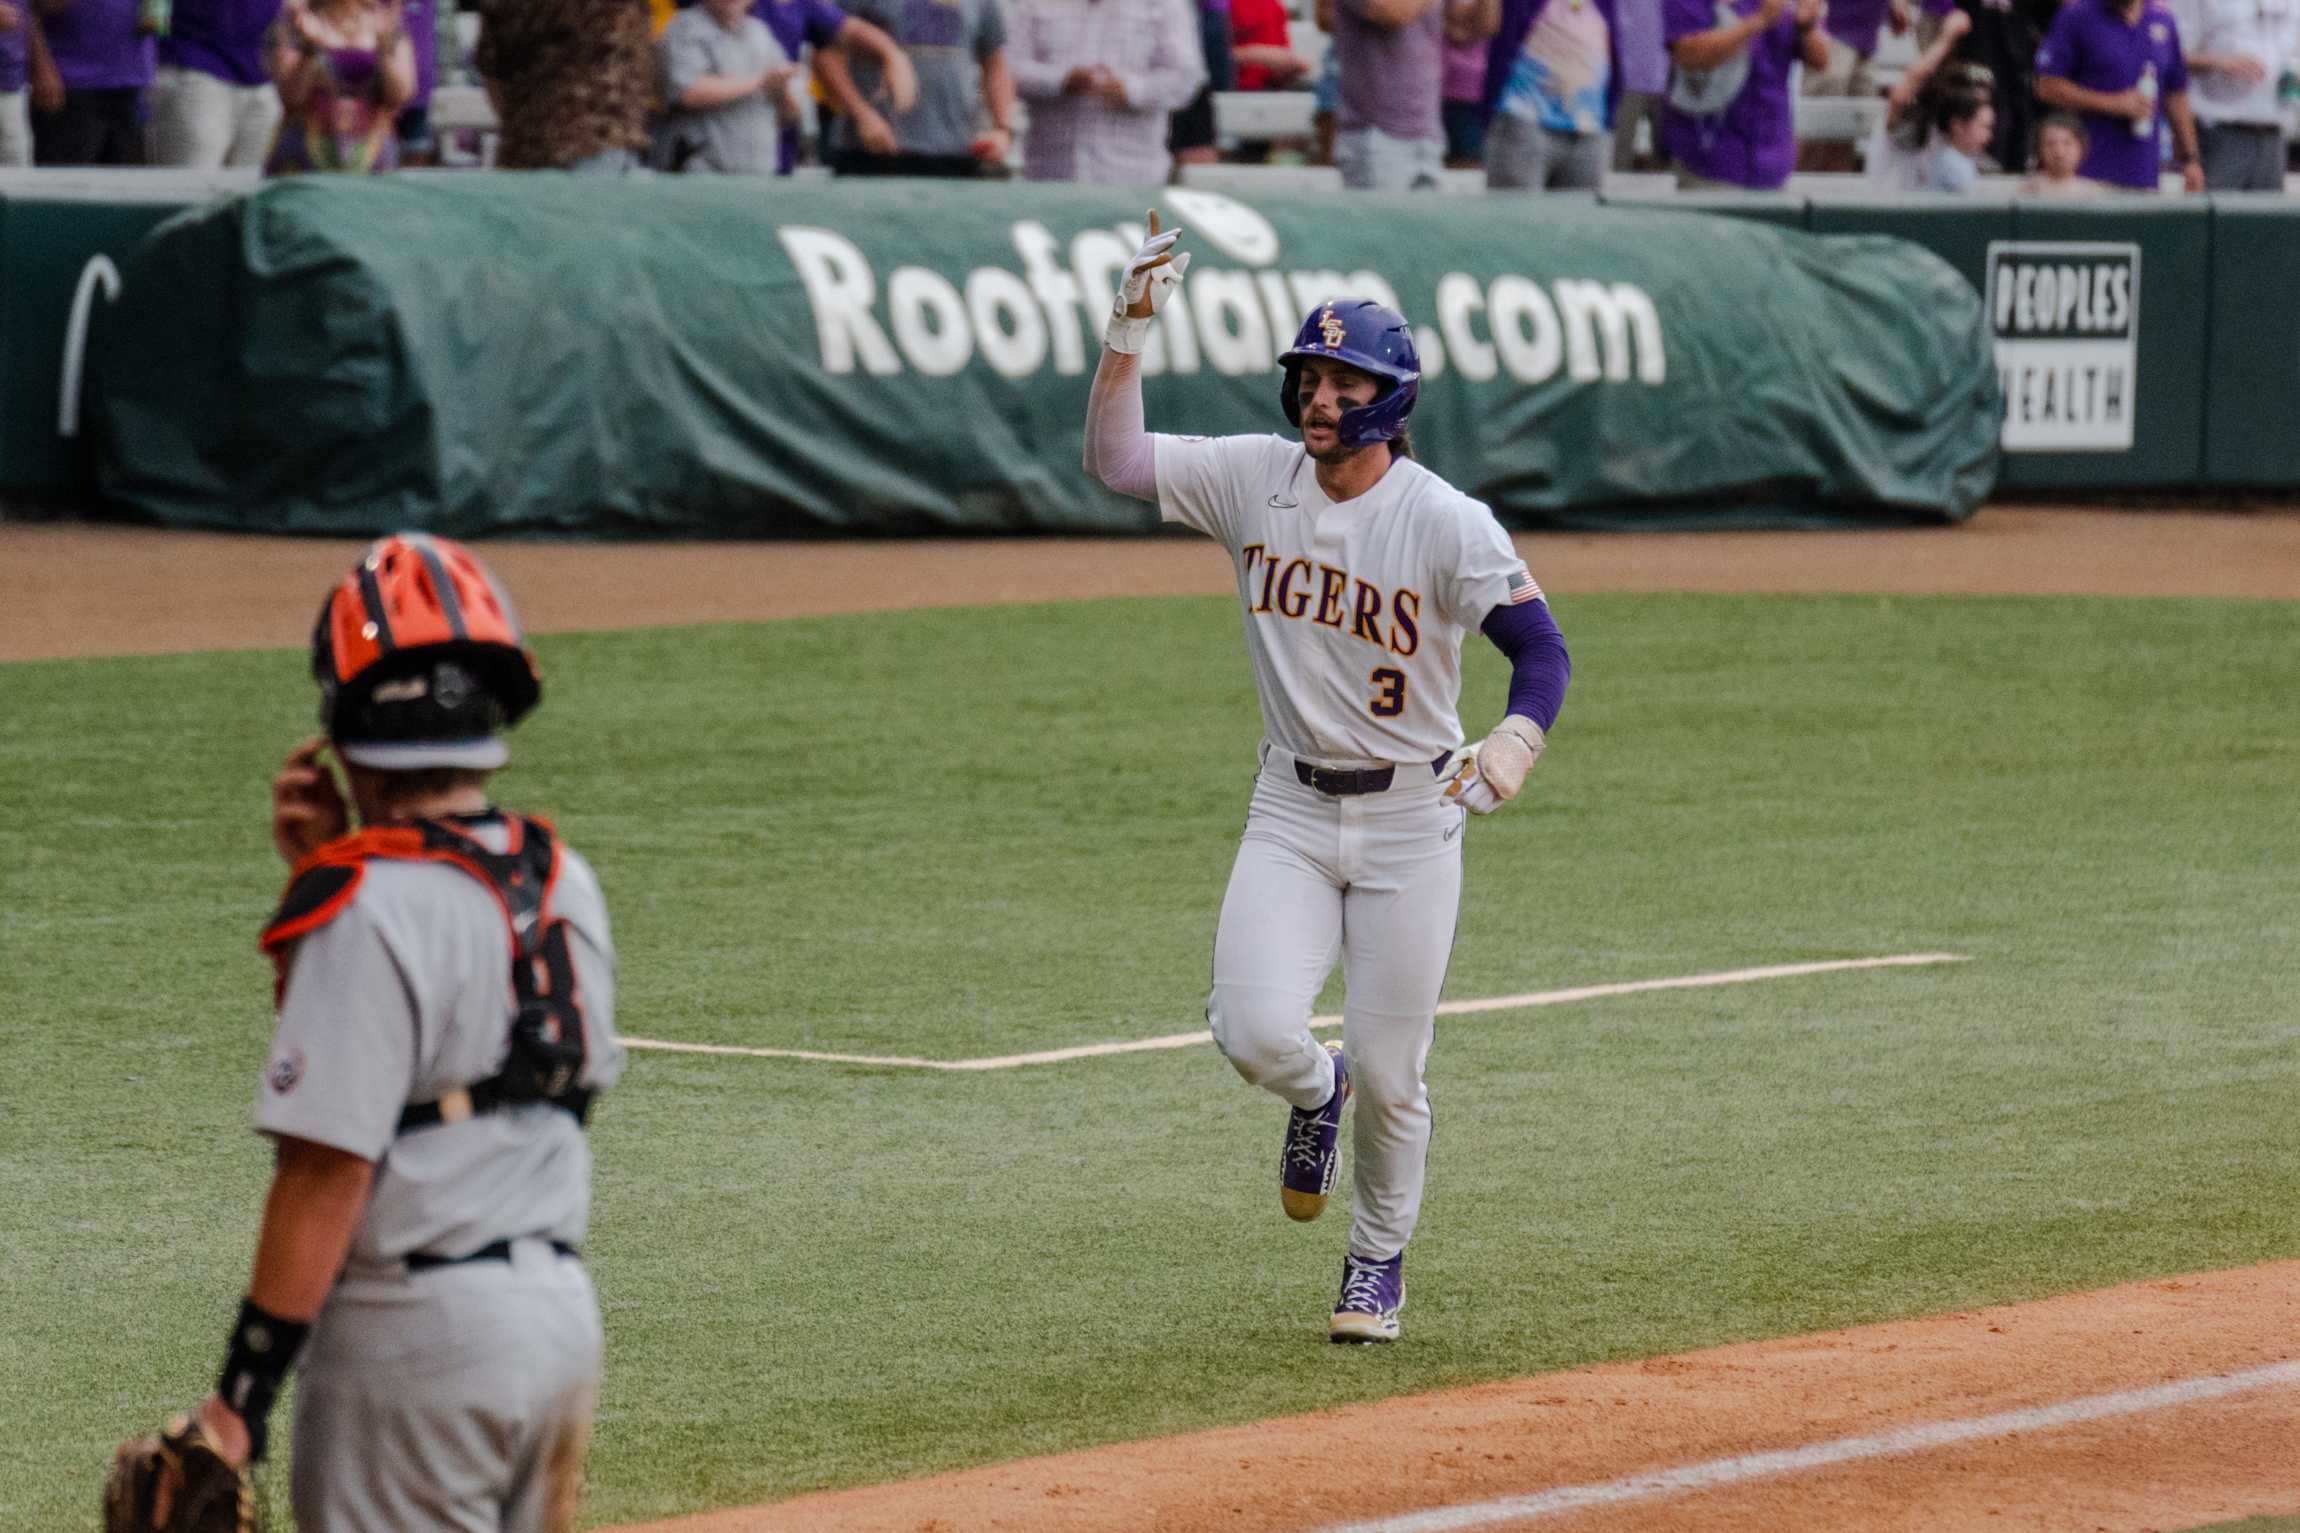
[1390, 701]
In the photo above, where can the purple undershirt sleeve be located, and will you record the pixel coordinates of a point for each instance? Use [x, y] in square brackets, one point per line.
[1539, 668]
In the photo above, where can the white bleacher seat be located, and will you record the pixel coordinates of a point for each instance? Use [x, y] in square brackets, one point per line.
[1262, 114]
[1895, 53]
[1324, 180]
[1640, 183]
[458, 107]
[1248, 180]
[1310, 43]
[1838, 119]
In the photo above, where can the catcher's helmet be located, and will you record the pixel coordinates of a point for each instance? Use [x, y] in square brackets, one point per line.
[419, 659]
[1372, 338]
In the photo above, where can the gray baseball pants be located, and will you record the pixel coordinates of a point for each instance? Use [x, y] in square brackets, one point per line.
[457, 1400]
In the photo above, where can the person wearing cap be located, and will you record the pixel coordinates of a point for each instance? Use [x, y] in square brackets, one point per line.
[446, 994]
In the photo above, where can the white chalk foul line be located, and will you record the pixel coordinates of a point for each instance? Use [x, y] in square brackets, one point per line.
[1200, 1035]
[1764, 1466]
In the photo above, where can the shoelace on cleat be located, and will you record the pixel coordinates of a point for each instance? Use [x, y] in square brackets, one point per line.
[1362, 1288]
[1303, 1134]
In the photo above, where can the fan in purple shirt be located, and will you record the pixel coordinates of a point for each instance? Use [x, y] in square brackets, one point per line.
[418, 145]
[212, 102]
[224, 38]
[1748, 139]
[2118, 66]
[106, 66]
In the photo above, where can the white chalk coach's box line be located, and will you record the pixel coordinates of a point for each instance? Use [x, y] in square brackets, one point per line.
[1200, 1035]
[1691, 1479]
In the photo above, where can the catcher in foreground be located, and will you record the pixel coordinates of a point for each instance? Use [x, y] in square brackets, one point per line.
[446, 1007]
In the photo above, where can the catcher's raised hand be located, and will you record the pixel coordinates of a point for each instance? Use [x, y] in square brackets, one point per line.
[308, 810]
[176, 1480]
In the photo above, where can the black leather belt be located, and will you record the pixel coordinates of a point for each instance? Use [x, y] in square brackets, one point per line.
[1340, 783]
[498, 1251]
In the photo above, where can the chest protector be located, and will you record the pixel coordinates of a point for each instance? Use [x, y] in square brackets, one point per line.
[544, 1062]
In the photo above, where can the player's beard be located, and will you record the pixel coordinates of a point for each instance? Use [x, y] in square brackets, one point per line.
[1336, 453]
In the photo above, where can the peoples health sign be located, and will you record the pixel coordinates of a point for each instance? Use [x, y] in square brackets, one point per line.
[2067, 322]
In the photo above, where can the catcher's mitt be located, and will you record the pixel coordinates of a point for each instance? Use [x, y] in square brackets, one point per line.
[174, 1481]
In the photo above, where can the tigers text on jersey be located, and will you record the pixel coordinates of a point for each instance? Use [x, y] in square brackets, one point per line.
[1354, 613]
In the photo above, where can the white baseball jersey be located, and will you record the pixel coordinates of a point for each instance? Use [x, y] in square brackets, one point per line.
[1354, 613]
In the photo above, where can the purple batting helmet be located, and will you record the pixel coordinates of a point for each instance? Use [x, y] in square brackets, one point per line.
[1374, 339]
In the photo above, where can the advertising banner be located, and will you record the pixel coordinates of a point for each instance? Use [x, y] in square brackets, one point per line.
[2067, 320]
[721, 356]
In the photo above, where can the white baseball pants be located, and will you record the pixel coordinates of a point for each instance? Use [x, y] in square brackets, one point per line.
[1374, 879]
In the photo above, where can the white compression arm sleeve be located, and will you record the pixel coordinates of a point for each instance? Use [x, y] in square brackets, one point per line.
[1119, 451]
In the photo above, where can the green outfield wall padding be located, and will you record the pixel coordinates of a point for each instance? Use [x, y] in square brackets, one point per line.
[1784, 209]
[62, 246]
[2251, 435]
[700, 356]
[1958, 231]
[2121, 358]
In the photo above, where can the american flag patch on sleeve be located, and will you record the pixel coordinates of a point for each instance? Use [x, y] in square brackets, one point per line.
[1522, 587]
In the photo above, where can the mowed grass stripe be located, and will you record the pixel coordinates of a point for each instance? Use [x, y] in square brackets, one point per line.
[962, 834]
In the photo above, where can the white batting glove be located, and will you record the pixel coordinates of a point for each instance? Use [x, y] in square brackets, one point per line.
[1490, 773]
[1155, 271]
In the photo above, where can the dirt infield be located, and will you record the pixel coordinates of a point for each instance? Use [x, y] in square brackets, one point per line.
[2170, 1465]
[2171, 1460]
[72, 589]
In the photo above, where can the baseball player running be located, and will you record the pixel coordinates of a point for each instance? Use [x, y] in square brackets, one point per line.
[446, 1005]
[1360, 573]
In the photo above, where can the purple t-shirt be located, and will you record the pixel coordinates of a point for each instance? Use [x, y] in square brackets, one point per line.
[1463, 77]
[2096, 47]
[422, 21]
[15, 67]
[800, 21]
[224, 38]
[1637, 41]
[1753, 142]
[797, 22]
[1390, 76]
[1856, 23]
[96, 46]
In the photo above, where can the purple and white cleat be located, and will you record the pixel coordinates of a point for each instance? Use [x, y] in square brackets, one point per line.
[1313, 1154]
[1372, 1295]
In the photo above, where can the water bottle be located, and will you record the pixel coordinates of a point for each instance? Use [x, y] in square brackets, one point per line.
[2145, 127]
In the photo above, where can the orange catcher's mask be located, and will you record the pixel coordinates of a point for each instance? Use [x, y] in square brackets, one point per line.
[420, 660]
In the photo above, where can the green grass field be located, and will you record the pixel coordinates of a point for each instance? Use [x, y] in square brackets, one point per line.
[982, 831]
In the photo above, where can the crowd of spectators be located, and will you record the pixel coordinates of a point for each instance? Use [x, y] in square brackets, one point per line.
[2080, 95]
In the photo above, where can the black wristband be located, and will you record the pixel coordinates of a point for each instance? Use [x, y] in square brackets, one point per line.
[263, 1349]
